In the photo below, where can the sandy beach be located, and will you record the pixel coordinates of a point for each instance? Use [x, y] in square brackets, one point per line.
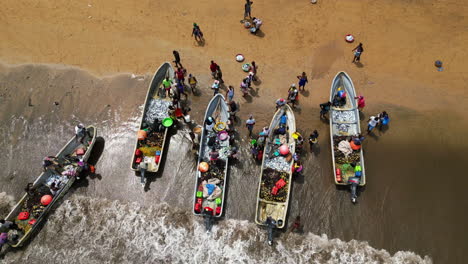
[83, 54]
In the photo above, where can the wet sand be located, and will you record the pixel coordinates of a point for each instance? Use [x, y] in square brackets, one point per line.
[413, 200]
[410, 203]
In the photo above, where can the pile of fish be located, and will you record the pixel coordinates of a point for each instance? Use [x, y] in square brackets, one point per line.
[344, 116]
[278, 163]
[350, 129]
[157, 110]
[269, 179]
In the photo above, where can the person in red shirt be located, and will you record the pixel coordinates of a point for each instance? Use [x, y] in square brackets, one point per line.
[213, 68]
[180, 75]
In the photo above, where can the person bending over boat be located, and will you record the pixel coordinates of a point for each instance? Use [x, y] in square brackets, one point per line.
[324, 108]
[209, 123]
[50, 162]
[280, 103]
[80, 132]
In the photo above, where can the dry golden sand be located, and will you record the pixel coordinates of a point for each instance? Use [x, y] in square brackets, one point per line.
[402, 39]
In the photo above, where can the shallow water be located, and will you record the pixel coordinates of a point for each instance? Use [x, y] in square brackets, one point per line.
[410, 203]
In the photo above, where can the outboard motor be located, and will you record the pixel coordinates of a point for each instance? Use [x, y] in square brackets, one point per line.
[271, 225]
[354, 182]
[208, 215]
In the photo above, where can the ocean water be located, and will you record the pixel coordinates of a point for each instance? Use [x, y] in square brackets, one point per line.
[93, 230]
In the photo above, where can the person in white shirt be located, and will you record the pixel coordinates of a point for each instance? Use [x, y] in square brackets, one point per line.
[373, 121]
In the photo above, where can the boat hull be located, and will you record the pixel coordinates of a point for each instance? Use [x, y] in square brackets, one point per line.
[344, 122]
[154, 92]
[267, 207]
[67, 149]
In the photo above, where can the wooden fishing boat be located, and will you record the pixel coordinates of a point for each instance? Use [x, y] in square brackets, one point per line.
[68, 159]
[152, 134]
[211, 176]
[276, 169]
[344, 124]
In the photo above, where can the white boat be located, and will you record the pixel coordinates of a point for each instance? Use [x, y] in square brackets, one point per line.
[275, 167]
[67, 156]
[151, 121]
[213, 203]
[344, 124]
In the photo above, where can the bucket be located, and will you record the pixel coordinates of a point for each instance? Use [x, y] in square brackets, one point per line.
[167, 122]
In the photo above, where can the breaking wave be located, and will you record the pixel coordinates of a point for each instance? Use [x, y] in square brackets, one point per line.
[91, 230]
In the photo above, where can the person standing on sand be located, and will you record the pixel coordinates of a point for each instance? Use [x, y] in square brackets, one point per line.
[313, 138]
[324, 108]
[177, 59]
[361, 102]
[180, 75]
[219, 74]
[248, 9]
[192, 82]
[357, 53]
[253, 70]
[213, 69]
[196, 31]
[373, 122]
[250, 124]
[230, 93]
[302, 81]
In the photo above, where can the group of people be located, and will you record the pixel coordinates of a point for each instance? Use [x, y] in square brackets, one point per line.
[382, 119]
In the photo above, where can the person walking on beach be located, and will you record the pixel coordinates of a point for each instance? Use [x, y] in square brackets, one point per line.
[302, 80]
[373, 122]
[357, 53]
[324, 108]
[213, 69]
[250, 124]
[215, 87]
[167, 86]
[177, 59]
[297, 224]
[219, 74]
[313, 139]
[253, 70]
[196, 31]
[292, 95]
[230, 93]
[192, 82]
[244, 87]
[384, 119]
[181, 89]
[180, 75]
[248, 9]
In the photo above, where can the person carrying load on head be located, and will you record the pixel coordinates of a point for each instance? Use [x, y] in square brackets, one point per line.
[313, 138]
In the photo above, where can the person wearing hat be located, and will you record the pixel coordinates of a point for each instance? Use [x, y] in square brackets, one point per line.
[279, 103]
